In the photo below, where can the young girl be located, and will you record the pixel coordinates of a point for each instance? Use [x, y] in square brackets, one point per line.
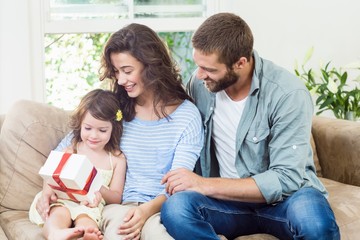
[97, 129]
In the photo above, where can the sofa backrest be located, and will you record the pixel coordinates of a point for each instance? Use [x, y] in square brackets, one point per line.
[338, 148]
[315, 157]
[28, 134]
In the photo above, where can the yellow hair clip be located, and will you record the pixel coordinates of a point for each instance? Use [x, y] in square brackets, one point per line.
[119, 115]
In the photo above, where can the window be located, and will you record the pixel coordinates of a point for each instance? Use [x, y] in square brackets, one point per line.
[117, 9]
[76, 30]
[72, 63]
[75, 16]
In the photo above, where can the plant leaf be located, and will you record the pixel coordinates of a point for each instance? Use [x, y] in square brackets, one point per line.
[308, 55]
[332, 86]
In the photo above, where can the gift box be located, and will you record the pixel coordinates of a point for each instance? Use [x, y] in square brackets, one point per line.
[72, 176]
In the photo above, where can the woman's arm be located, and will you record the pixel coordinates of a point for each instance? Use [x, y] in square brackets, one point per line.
[48, 196]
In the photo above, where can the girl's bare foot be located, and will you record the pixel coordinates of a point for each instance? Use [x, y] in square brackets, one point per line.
[66, 234]
[92, 234]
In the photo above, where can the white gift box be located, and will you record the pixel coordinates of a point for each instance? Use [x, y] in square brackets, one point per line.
[72, 176]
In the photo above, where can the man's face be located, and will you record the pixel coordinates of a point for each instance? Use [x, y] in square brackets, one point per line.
[216, 75]
[226, 81]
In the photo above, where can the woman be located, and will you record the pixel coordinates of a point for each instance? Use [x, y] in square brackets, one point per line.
[162, 130]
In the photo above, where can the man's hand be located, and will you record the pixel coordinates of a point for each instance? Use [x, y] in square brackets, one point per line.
[48, 196]
[183, 179]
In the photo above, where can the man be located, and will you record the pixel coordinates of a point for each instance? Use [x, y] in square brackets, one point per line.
[257, 153]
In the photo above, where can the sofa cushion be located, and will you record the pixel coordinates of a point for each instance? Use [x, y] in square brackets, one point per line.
[257, 237]
[28, 134]
[17, 226]
[344, 200]
[2, 234]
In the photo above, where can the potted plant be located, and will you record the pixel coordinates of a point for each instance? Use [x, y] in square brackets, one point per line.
[330, 88]
[354, 104]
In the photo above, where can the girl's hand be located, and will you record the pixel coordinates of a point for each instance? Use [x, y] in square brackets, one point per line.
[133, 223]
[96, 201]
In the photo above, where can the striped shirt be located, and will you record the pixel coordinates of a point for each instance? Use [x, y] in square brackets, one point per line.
[152, 148]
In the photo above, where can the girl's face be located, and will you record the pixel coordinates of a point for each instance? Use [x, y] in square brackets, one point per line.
[95, 133]
[128, 73]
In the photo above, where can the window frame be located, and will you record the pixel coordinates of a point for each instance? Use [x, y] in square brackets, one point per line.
[41, 24]
[112, 25]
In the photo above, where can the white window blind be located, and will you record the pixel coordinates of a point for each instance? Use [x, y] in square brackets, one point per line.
[77, 16]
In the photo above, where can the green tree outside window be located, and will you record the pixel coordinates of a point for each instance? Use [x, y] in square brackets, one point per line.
[72, 63]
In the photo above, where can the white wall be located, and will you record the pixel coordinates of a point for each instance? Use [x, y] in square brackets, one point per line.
[20, 57]
[14, 57]
[283, 29]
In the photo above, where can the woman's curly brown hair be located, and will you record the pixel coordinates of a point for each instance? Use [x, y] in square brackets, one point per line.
[160, 74]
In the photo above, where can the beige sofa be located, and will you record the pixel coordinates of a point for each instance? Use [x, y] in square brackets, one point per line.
[30, 130]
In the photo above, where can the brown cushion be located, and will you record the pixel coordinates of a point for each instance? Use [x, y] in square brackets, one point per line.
[344, 200]
[2, 234]
[16, 225]
[259, 236]
[337, 145]
[28, 134]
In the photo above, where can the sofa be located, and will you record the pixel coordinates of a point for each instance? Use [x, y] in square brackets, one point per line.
[30, 130]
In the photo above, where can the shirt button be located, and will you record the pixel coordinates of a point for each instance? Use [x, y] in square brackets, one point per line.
[254, 139]
[211, 108]
[294, 147]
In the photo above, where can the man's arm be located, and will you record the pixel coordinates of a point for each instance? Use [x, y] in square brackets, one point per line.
[244, 189]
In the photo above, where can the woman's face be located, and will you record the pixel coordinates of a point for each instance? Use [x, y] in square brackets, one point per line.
[128, 72]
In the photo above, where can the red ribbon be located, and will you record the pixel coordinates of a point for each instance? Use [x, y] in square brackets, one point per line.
[62, 187]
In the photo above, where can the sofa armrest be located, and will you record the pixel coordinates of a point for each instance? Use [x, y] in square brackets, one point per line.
[2, 233]
[2, 118]
[28, 134]
[338, 148]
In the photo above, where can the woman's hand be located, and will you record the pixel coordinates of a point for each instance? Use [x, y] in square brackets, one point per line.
[133, 223]
[48, 196]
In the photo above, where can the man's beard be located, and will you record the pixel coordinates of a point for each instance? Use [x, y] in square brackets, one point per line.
[215, 86]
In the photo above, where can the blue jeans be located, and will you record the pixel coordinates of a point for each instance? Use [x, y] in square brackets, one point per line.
[304, 215]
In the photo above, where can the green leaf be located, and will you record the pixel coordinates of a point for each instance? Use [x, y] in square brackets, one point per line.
[308, 55]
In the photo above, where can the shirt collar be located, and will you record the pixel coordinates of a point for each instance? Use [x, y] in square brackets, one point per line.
[257, 74]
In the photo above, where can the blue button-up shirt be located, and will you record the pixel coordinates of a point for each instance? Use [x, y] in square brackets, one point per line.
[273, 136]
